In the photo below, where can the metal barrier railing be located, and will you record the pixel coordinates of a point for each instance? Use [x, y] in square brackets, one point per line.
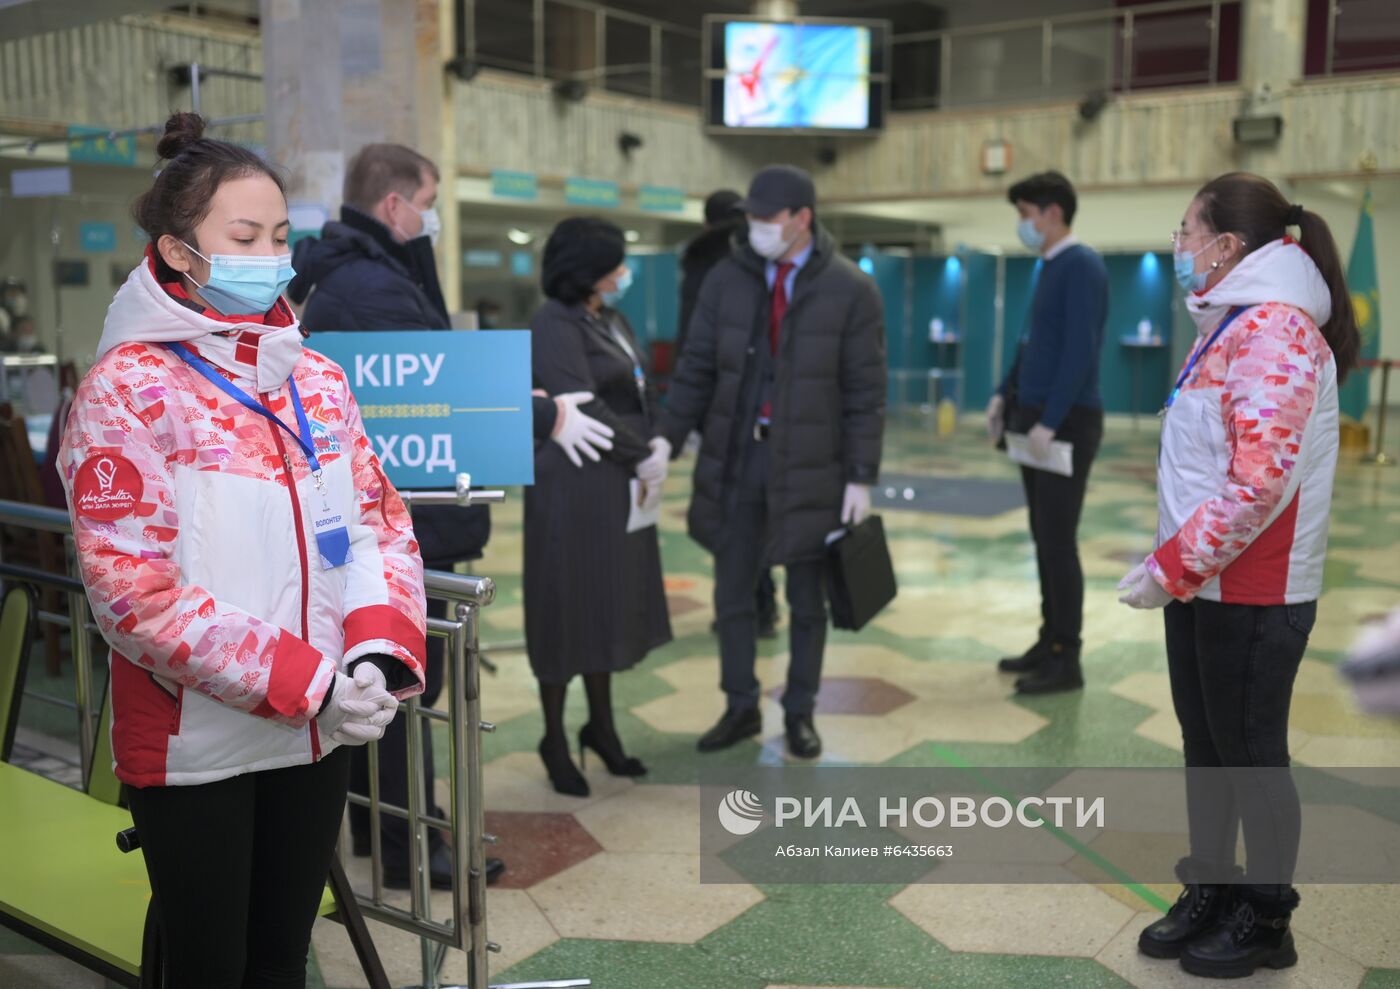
[466, 824]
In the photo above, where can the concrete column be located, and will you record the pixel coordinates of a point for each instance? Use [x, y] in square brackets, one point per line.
[340, 74]
[1273, 35]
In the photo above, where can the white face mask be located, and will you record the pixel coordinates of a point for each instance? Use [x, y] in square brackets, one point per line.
[767, 240]
[432, 224]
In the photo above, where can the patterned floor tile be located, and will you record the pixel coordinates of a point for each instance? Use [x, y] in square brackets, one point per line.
[536, 846]
[640, 896]
[646, 819]
[1035, 920]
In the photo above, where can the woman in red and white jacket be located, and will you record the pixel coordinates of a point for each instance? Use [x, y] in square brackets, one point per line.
[1244, 480]
[252, 569]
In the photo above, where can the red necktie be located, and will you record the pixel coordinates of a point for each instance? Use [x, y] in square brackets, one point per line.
[776, 312]
[778, 309]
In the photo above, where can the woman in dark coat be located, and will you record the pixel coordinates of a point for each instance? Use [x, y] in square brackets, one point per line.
[594, 601]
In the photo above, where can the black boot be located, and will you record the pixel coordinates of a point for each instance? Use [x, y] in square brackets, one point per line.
[1027, 661]
[1255, 935]
[1201, 907]
[1058, 671]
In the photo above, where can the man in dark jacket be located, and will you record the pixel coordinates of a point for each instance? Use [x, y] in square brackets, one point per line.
[783, 372]
[375, 270]
[724, 220]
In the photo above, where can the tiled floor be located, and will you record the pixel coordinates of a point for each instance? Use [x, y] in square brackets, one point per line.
[607, 887]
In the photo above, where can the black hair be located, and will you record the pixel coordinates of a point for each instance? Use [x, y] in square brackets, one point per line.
[1046, 189]
[1253, 209]
[580, 250]
[178, 200]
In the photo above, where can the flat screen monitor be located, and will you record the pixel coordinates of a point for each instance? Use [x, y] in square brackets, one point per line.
[806, 76]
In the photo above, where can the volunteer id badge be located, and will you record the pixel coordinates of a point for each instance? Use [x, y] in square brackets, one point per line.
[332, 537]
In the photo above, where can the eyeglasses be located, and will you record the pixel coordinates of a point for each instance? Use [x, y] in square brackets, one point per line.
[1179, 237]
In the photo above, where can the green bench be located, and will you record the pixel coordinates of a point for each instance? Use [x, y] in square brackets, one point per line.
[64, 882]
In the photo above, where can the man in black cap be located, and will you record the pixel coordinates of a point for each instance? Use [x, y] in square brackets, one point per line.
[724, 220]
[783, 371]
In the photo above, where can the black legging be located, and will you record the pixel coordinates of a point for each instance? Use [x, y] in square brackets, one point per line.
[237, 871]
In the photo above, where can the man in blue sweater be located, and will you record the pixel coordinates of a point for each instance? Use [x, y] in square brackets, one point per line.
[1052, 393]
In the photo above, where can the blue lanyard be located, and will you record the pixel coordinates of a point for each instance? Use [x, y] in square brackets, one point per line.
[1201, 352]
[304, 440]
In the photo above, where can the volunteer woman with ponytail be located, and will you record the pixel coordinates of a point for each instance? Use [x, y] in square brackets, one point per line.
[252, 569]
[1248, 456]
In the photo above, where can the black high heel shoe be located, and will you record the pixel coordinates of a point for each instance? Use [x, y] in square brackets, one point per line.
[563, 774]
[610, 751]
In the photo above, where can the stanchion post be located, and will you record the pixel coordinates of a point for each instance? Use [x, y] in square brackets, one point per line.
[1380, 458]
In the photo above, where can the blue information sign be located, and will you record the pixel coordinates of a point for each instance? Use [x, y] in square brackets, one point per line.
[438, 403]
[591, 192]
[98, 238]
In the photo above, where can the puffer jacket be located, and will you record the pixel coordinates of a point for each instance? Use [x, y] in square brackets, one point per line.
[193, 525]
[1249, 447]
[828, 395]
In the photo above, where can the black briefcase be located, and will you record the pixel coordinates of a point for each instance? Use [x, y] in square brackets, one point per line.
[860, 575]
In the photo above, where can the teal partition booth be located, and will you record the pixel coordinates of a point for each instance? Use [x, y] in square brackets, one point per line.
[942, 315]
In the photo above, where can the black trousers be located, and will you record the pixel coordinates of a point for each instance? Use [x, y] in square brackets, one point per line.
[393, 763]
[739, 566]
[1232, 668]
[1054, 504]
[237, 871]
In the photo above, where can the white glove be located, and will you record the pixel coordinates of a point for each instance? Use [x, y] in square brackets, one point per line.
[996, 417]
[653, 470]
[360, 708]
[855, 505]
[1142, 590]
[1040, 439]
[577, 432]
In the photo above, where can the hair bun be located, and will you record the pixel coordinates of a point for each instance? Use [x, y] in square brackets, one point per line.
[181, 131]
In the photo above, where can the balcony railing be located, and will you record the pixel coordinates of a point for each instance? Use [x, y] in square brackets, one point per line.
[1174, 43]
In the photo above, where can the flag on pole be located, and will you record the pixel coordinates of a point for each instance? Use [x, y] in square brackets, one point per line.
[1364, 285]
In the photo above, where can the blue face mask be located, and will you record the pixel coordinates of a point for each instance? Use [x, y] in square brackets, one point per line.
[1184, 265]
[242, 285]
[1030, 236]
[624, 282]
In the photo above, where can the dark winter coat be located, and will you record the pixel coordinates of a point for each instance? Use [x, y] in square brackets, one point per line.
[594, 599]
[357, 277]
[709, 248]
[828, 395]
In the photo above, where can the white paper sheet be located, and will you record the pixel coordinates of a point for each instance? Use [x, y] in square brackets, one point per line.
[1060, 461]
[641, 516]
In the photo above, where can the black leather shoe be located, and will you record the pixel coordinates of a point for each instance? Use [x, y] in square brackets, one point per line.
[736, 725]
[1027, 661]
[1058, 671]
[1199, 909]
[439, 870]
[802, 738]
[495, 868]
[1254, 936]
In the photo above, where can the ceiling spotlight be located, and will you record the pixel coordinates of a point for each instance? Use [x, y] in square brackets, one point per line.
[517, 236]
[570, 90]
[631, 236]
[465, 69]
[1091, 106]
[627, 142]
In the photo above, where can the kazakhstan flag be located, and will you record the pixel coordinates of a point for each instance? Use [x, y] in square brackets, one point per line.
[1366, 301]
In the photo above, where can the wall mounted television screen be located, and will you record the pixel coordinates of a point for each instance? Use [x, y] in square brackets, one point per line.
[807, 76]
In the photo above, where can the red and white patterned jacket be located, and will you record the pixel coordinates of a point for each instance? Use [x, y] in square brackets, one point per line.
[1249, 448]
[193, 528]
